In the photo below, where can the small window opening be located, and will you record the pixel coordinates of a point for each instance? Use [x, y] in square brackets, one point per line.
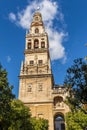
[29, 45]
[29, 88]
[42, 44]
[36, 44]
[29, 39]
[42, 38]
[40, 62]
[36, 30]
[31, 62]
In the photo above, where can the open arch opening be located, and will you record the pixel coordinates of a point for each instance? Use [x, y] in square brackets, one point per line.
[36, 43]
[59, 122]
[36, 30]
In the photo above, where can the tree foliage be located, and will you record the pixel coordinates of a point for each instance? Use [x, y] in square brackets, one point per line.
[20, 116]
[76, 82]
[6, 97]
[76, 120]
[39, 124]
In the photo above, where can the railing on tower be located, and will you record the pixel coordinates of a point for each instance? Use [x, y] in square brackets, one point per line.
[59, 89]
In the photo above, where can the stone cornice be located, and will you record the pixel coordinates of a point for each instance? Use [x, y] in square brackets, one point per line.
[39, 50]
[35, 76]
[38, 102]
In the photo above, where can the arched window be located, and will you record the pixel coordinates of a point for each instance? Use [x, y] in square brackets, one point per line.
[36, 30]
[42, 44]
[36, 43]
[29, 45]
[59, 122]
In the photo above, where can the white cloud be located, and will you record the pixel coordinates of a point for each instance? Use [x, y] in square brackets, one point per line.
[48, 10]
[8, 59]
[56, 48]
[50, 13]
[12, 17]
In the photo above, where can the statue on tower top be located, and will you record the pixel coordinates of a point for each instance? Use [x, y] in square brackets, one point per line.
[38, 8]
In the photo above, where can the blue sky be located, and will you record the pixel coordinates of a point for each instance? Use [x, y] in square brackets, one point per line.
[66, 24]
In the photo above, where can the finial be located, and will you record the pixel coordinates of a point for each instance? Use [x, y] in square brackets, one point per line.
[38, 8]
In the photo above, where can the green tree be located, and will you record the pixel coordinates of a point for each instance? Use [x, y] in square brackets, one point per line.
[20, 116]
[76, 120]
[39, 124]
[76, 83]
[6, 97]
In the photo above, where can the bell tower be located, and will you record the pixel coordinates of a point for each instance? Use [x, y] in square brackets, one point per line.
[36, 85]
[36, 79]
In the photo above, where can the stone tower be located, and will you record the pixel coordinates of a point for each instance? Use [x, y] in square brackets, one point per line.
[36, 85]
